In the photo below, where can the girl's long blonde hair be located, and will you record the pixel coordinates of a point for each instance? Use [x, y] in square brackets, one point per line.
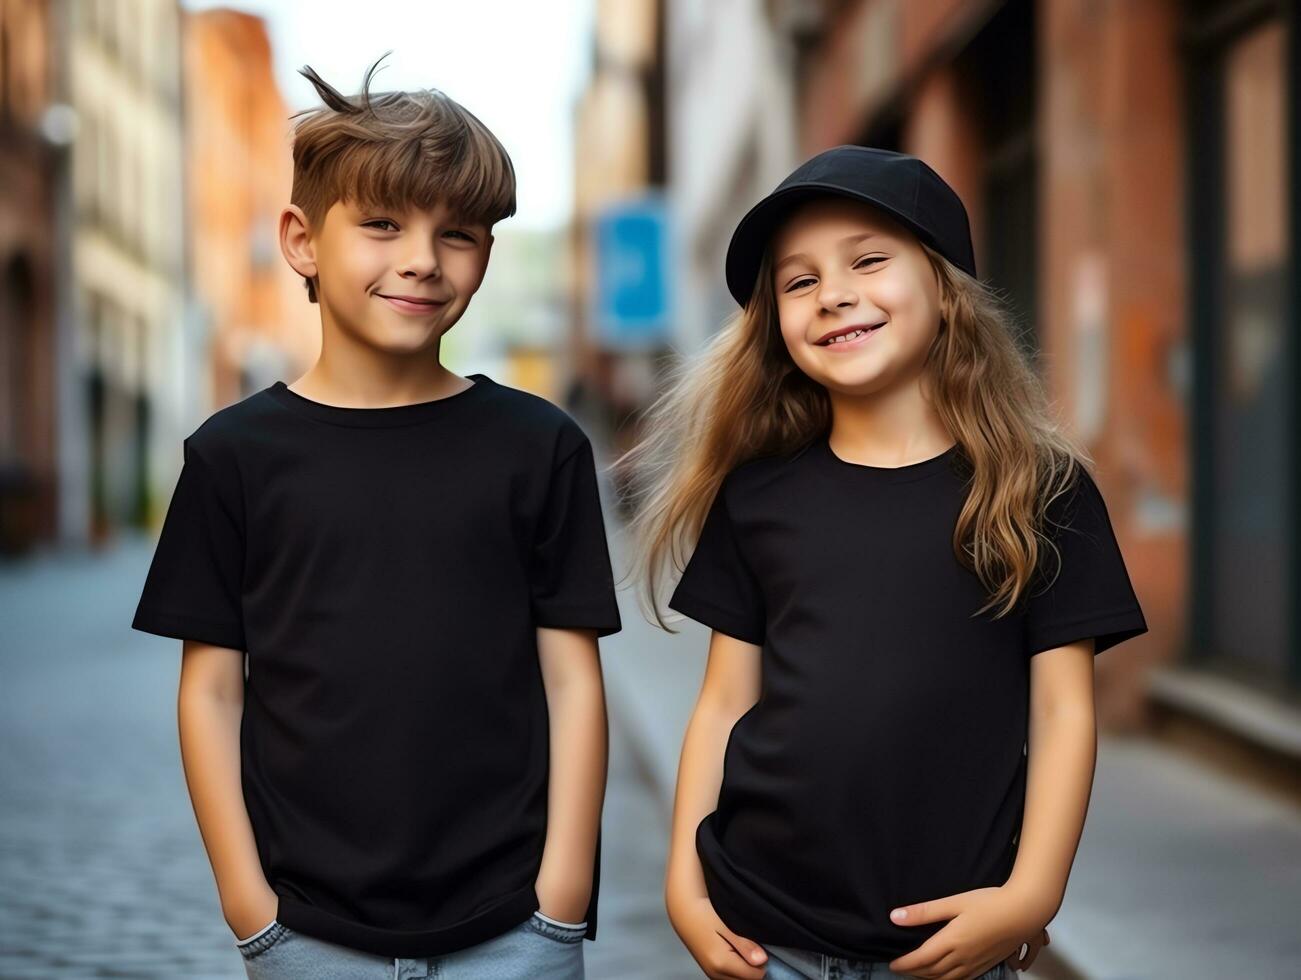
[743, 397]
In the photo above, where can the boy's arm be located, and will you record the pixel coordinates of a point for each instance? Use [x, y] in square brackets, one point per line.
[210, 707]
[571, 674]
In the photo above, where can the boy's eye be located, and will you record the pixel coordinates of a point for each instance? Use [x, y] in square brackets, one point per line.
[378, 222]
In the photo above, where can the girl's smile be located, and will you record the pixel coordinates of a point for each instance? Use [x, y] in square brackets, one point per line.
[849, 338]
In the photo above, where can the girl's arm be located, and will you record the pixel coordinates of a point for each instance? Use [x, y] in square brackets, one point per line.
[989, 925]
[571, 674]
[210, 707]
[730, 688]
[1061, 754]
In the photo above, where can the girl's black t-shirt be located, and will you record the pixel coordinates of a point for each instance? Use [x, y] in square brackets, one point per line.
[385, 569]
[884, 762]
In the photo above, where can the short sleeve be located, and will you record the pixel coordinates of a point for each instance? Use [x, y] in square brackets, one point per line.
[193, 588]
[1091, 595]
[570, 580]
[717, 587]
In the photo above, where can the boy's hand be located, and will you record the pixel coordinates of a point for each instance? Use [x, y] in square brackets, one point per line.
[560, 902]
[247, 916]
[987, 926]
[721, 953]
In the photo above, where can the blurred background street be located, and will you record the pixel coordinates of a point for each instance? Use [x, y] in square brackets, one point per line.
[1131, 172]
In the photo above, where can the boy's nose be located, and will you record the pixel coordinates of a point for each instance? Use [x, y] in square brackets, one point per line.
[420, 266]
[431, 271]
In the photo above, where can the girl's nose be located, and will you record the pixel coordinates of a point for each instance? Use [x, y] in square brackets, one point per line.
[836, 297]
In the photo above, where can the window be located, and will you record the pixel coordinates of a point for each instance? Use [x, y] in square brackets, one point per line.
[1245, 423]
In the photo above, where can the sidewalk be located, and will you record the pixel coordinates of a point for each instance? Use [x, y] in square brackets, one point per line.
[1180, 874]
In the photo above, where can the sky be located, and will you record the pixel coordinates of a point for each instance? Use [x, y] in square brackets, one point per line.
[518, 66]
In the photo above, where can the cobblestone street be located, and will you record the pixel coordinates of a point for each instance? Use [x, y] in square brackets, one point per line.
[102, 870]
[103, 873]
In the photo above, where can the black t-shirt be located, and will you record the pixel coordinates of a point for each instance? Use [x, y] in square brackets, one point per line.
[385, 570]
[884, 762]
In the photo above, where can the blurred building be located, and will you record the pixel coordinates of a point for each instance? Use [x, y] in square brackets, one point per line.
[621, 239]
[1128, 169]
[517, 328]
[126, 362]
[732, 137]
[91, 218]
[255, 323]
[32, 141]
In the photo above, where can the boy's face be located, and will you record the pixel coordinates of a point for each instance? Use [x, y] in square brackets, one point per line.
[842, 264]
[395, 279]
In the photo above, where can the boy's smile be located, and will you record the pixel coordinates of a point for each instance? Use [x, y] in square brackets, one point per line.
[414, 305]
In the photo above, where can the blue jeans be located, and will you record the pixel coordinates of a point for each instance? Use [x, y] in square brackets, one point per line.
[789, 963]
[539, 947]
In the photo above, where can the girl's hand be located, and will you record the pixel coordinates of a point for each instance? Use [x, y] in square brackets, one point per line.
[1017, 961]
[721, 953]
[986, 926]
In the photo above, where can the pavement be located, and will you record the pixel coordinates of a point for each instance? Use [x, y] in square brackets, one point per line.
[1182, 873]
[102, 871]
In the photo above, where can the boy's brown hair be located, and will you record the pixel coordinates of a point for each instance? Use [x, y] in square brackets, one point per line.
[397, 150]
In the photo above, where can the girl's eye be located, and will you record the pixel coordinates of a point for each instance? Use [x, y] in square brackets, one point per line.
[862, 263]
[381, 221]
[468, 238]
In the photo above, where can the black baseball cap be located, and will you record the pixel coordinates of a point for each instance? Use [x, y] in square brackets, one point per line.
[899, 184]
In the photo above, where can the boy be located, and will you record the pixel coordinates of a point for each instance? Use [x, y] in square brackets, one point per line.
[413, 768]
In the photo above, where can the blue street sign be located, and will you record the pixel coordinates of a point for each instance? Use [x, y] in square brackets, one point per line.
[631, 297]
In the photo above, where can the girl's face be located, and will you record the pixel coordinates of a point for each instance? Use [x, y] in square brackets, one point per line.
[840, 267]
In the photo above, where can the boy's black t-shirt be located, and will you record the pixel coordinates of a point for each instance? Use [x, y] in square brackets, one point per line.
[884, 761]
[385, 569]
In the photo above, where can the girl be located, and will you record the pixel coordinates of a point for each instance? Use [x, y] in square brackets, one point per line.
[907, 571]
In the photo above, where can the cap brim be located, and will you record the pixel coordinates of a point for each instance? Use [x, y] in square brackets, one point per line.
[753, 232]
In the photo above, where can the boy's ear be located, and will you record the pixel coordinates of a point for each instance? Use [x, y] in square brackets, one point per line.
[487, 254]
[296, 241]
